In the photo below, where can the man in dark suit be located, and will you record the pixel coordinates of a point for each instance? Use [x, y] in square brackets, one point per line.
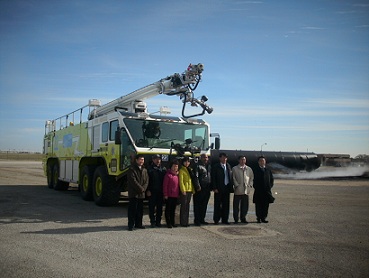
[263, 183]
[221, 178]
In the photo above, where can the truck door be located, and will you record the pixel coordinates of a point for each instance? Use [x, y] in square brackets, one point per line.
[127, 150]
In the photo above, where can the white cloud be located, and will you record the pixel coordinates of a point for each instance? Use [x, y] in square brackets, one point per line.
[304, 127]
[343, 103]
[281, 111]
[312, 28]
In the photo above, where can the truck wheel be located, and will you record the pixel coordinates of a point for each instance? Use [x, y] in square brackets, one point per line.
[105, 190]
[58, 184]
[49, 175]
[85, 183]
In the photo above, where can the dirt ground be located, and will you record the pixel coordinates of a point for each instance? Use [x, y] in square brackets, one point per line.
[317, 228]
[15, 172]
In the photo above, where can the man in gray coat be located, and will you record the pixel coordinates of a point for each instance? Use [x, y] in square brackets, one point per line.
[138, 180]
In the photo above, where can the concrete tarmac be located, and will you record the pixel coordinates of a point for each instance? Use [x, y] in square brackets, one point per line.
[317, 228]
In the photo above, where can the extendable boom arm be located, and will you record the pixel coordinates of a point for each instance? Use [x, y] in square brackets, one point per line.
[182, 85]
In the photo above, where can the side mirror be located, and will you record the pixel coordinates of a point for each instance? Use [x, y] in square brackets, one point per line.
[118, 137]
[217, 143]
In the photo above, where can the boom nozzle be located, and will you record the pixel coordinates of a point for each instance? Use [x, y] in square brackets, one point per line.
[195, 69]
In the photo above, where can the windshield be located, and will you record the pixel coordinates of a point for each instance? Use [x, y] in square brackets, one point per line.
[156, 134]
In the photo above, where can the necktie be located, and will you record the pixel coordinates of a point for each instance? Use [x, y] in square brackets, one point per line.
[226, 180]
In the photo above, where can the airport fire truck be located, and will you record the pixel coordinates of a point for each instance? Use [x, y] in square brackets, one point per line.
[94, 146]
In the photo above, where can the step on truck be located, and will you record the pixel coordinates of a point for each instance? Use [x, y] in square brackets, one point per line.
[94, 145]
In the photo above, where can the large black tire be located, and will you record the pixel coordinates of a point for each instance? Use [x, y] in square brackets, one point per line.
[85, 183]
[105, 190]
[58, 184]
[49, 176]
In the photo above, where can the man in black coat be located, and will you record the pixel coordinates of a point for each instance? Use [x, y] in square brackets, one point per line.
[263, 183]
[221, 179]
[155, 190]
[201, 198]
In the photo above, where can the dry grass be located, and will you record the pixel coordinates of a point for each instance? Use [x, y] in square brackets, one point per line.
[21, 156]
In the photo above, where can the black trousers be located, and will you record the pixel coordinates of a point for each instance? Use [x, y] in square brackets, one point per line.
[135, 212]
[155, 207]
[200, 204]
[170, 210]
[221, 206]
[261, 209]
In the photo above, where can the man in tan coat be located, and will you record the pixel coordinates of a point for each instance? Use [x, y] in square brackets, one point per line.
[243, 178]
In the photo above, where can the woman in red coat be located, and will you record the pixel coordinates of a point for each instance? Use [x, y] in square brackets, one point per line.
[171, 193]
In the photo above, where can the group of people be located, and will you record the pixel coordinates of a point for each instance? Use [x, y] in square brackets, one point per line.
[180, 182]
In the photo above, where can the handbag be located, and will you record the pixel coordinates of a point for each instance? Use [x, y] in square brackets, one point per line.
[270, 197]
[194, 179]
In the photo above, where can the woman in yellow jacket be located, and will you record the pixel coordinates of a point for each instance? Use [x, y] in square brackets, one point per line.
[187, 189]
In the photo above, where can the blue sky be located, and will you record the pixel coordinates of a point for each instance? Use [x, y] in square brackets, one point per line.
[292, 74]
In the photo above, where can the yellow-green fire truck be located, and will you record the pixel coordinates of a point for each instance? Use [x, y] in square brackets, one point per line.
[94, 146]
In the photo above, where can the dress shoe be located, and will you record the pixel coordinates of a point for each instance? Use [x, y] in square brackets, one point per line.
[140, 227]
[226, 223]
[197, 224]
[216, 223]
[258, 221]
[174, 226]
[130, 229]
[204, 223]
[236, 222]
[264, 221]
[244, 221]
[158, 225]
[152, 226]
[169, 226]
